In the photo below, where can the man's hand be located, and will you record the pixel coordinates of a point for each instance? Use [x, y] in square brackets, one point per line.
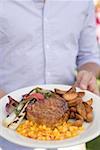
[2, 93]
[87, 81]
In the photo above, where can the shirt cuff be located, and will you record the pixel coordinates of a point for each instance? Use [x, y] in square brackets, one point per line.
[88, 60]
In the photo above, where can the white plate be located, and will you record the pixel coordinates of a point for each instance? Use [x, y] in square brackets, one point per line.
[92, 130]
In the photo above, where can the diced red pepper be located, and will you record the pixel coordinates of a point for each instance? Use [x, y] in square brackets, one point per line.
[37, 96]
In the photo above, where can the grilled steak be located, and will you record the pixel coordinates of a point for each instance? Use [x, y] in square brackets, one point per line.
[48, 112]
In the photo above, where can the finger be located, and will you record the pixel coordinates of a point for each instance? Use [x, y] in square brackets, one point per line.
[92, 83]
[93, 86]
[79, 78]
[95, 90]
[85, 80]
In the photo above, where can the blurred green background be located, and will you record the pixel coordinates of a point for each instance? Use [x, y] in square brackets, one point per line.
[94, 144]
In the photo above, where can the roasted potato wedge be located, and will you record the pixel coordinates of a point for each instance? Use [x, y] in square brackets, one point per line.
[68, 112]
[66, 116]
[78, 117]
[89, 112]
[72, 89]
[81, 110]
[73, 109]
[72, 115]
[90, 102]
[70, 96]
[88, 108]
[78, 123]
[89, 117]
[74, 102]
[59, 92]
[81, 94]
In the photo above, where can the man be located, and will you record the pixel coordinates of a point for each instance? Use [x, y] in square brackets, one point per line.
[44, 42]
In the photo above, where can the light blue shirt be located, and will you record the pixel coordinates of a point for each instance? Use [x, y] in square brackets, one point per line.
[44, 43]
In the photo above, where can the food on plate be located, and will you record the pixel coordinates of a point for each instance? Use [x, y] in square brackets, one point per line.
[11, 105]
[90, 102]
[48, 111]
[49, 115]
[42, 132]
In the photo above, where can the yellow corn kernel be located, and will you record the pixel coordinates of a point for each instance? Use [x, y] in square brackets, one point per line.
[81, 128]
[41, 132]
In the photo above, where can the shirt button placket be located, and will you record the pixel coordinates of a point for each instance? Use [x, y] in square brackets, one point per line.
[46, 47]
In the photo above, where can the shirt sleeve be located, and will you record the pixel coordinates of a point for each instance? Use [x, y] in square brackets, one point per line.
[88, 48]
